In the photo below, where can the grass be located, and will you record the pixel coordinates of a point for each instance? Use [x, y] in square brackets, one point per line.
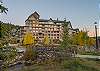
[75, 64]
[82, 65]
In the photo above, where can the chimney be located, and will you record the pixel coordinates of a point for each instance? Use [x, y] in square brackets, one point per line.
[57, 19]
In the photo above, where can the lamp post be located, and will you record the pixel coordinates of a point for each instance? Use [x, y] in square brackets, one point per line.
[96, 37]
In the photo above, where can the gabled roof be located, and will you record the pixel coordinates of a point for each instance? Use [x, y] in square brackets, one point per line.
[35, 14]
[55, 21]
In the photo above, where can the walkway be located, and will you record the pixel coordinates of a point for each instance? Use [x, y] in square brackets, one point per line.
[88, 56]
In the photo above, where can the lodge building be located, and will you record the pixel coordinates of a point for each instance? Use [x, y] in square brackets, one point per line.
[43, 27]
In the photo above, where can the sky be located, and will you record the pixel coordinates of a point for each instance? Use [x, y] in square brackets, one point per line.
[81, 13]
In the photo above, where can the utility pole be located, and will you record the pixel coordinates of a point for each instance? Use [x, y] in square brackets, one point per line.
[96, 37]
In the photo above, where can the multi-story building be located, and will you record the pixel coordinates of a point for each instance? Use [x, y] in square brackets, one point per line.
[43, 27]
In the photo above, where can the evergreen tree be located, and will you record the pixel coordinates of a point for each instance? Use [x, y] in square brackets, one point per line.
[66, 40]
[2, 8]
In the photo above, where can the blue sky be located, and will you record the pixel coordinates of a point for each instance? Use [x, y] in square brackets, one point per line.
[81, 13]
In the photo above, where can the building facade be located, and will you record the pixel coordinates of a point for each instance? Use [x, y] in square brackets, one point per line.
[43, 27]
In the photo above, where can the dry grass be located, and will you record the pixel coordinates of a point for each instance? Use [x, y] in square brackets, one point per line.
[67, 65]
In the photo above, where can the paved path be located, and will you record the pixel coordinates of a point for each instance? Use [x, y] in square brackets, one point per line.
[88, 56]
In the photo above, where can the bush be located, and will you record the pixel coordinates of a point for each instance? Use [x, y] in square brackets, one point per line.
[29, 54]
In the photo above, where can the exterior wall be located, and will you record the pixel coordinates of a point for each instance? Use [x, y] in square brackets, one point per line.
[41, 28]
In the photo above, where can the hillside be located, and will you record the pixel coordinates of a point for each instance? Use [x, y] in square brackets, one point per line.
[6, 28]
[6, 33]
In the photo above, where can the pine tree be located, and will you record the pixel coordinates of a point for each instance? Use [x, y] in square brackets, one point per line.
[2, 8]
[66, 42]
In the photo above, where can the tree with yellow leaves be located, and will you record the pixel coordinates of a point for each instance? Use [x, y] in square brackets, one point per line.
[46, 40]
[91, 42]
[28, 39]
[82, 39]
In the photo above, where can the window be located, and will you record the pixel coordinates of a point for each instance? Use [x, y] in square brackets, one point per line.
[36, 28]
[36, 31]
[54, 34]
[51, 31]
[46, 28]
[57, 34]
[39, 28]
[48, 34]
[36, 24]
[54, 31]
[45, 31]
[46, 25]
[57, 31]
[33, 21]
[58, 28]
[33, 31]
[33, 28]
[40, 25]
[48, 31]
[57, 37]
[33, 24]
